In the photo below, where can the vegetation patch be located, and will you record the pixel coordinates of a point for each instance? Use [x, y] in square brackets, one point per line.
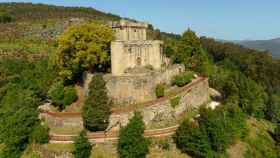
[6, 17]
[62, 96]
[97, 107]
[175, 101]
[183, 79]
[132, 142]
[160, 90]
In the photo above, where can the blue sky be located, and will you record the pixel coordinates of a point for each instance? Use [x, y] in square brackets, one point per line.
[222, 19]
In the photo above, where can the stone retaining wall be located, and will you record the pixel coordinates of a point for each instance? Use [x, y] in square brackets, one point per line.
[191, 96]
[135, 88]
[162, 111]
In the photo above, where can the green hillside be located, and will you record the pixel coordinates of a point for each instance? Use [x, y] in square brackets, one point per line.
[272, 45]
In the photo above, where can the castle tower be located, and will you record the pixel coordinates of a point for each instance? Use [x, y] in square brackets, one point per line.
[132, 49]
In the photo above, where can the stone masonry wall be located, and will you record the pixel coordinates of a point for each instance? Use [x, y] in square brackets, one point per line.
[135, 88]
[191, 96]
[162, 111]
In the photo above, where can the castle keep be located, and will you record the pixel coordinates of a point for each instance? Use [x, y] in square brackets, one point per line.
[132, 49]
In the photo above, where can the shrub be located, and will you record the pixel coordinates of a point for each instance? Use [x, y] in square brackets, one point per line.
[40, 134]
[160, 88]
[56, 93]
[164, 144]
[183, 79]
[175, 101]
[70, 95]
[62, 96]
[82, 146]
[132, 143]
[97, 108]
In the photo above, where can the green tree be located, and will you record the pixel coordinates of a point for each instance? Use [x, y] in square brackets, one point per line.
[40, 134]
[190, 139]
[56, 94]
[18, 117]
[62, 96]
[191, 53]
[132, 143]
[82, 146]
[97, 107]
[83, 47]
[70, 95]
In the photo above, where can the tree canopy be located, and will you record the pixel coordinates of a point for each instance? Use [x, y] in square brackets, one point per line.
[83, 47]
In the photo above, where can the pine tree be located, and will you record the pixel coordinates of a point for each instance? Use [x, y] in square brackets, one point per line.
[82, 146]
[132, 143]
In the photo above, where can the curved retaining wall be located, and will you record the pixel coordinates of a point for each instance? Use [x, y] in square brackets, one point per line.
[160, 110]
[101, 137]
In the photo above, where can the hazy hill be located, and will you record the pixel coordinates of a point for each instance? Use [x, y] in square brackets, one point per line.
[272, 45]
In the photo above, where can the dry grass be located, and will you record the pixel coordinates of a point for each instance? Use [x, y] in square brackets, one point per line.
[237, 150]
[159, 153]
[101, 151]
[65, 130]
[59, 147]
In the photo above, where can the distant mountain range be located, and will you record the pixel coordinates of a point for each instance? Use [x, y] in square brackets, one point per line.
[272, 45]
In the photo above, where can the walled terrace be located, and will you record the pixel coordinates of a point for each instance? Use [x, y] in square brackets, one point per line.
[160, 112]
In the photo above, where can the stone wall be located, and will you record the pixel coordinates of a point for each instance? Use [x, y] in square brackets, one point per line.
[161, 111]
[191, 96]
[140, 87]
[130, 54]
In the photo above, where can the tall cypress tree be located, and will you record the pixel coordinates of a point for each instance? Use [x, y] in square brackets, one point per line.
[97, 108]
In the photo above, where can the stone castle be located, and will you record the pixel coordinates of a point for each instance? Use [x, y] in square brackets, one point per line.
[131, 48]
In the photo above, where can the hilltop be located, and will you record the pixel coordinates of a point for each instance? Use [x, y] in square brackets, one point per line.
[56, 89]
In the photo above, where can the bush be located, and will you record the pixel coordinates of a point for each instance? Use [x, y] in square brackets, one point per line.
[62, 96]
[164, 144]
[175, 101]
[160, 88]
[40, 134]
[70, 95]
[183, 79]
[82, 146]
[97, 108]
[132, 143]
[56, 93]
